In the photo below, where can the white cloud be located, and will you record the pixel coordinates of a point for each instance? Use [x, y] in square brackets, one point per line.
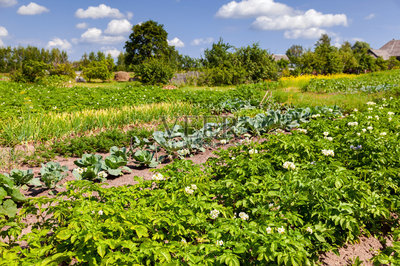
[271, 15]
[3, 32]
[59, 43]
[129, 15]
[370, 16]
[95, 35]
[311, 33]
[253, 8]
[118, 27]
[112, 51]
[32, 9]
[176, 42]
[101, 11]
[202, 41]
[82, 25]
[308, 20]
[7, 3]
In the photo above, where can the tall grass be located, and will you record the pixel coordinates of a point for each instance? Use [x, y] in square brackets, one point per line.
[54, 125]
[303, 80]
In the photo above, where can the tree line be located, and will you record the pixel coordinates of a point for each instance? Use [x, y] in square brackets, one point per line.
[153, 61]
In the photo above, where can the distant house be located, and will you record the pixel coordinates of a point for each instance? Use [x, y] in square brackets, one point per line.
[390, 49]
[278, 57]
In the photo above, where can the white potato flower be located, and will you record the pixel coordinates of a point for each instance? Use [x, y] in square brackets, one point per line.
[269, 230]
[214, 214]
[289, 165]
[244, 216]
[219, 243]
[281, 230]
[383, 134]
[188, 190]
[253, 151]
[328, 153]
[353, 124]
[158, 177]
[309, 230]
[302, 130]
[326, 134]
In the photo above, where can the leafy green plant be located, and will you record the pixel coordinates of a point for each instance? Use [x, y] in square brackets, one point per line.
[145, 158]
[9, 197]
[52, 173]
[23, 177]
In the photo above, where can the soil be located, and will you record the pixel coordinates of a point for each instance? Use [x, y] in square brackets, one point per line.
[364, 249]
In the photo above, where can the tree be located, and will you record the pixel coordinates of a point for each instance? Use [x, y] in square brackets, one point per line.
[393, 63]
[147, 40]
[97, 70]
[294, 53]
[258, 64]
[348, 59]
[327, 57]
[31, 71]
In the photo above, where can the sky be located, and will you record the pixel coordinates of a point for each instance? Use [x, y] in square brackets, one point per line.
[79, 26]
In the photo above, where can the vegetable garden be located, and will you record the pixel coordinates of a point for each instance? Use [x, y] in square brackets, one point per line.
[295, 182]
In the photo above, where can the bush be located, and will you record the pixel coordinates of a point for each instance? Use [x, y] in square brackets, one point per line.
[97, 70]
[63, 70]
[218, 76]
[154, 71]
[32, 71]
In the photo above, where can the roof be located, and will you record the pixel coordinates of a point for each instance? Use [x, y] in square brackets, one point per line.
[382, 53]
[392, 48]
[278, 57]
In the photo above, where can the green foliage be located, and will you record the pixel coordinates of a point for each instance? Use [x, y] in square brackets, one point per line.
[147, 40]
[9, 197]
[279, 202]
[370, 83]
[23, 177]
[32, 71]
[97, 70]
[63, 70]
[258, 64]
[390, 255]
[229, 66]
[154, 71]
[51, 173]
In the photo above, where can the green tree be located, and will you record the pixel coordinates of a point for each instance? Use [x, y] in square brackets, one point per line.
[327, 57]
[32, 71]
[154, 71]
[258, 63]
[97, 70]
[393, 63]
[349, 61]
[147, 40]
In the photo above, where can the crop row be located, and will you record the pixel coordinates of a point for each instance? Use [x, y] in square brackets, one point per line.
[370, 83]
[282, 201]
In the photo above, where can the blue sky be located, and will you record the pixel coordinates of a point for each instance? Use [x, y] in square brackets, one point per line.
[92, 25]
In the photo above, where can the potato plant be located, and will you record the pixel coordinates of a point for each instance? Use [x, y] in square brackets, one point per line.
[282, 201]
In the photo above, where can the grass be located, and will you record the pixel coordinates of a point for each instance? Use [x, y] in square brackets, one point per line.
[294, 96]
[56, 125]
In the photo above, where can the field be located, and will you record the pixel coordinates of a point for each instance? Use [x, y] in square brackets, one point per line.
[301, 168]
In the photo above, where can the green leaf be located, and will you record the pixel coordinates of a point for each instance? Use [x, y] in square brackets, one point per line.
[64, 234]
[165, 255]
[101, 249]
[9, 208]
[141, 231]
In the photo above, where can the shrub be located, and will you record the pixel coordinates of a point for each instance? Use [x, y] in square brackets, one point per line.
[32, 71]
[97, 70]
[154, 71]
